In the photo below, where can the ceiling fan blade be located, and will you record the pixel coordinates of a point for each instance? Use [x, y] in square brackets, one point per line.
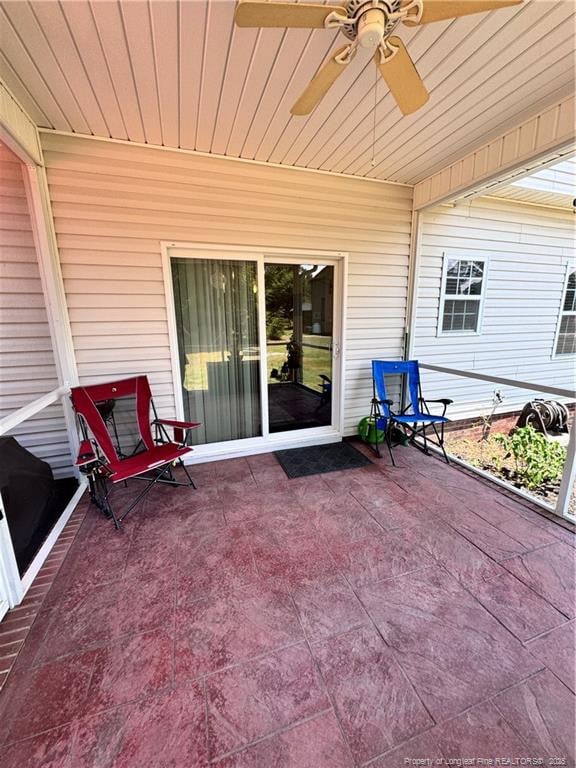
[439, 10]
[402, 78]
[264, 14]
[320, 84]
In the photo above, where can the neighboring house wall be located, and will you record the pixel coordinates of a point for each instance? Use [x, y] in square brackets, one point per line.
[527, 249]
[27, 368]
[114, 203]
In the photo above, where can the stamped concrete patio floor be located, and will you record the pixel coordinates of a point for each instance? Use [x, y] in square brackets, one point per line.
[373, 616]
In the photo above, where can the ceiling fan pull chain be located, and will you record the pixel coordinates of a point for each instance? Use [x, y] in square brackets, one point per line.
[373, 161]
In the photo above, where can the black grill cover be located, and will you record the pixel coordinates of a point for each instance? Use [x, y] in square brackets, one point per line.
[29, 493]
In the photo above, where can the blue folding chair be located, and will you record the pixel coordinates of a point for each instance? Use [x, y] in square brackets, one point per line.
[415, 418]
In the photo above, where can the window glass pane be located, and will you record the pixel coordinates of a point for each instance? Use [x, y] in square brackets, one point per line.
[460, 315]
[453, 267]
[464, 278]
[570, 298]
[475, 286]
[448, 313]
[567, 336]
[451, 285]
[477, 269]
[465, 269]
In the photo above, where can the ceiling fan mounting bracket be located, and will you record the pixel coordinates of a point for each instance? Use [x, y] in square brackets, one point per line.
[411, 12]
[335, 20]
[347, 54]
[387, 51]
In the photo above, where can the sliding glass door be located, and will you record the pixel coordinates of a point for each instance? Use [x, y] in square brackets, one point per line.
[256, 340]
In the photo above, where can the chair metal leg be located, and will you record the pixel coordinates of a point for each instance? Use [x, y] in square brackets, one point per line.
[426, 451]
[101, 499]
[440, 438]
[376, 449]
[389, 441]
[192, 483]
[143, 493]
[157, 479]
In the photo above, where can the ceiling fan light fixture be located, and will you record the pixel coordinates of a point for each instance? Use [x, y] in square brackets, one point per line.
[371, 27]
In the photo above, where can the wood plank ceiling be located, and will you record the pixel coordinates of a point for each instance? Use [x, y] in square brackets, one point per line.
[180, 74]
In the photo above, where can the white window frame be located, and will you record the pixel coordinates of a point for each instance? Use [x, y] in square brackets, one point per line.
[461, 256]
[561, 314]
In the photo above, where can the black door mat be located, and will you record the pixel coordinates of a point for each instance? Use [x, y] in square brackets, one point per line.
[318, 459]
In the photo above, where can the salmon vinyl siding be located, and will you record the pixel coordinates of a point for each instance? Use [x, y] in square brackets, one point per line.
[27, 365]
[114, 204]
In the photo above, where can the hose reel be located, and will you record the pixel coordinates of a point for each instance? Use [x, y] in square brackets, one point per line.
[545, 416]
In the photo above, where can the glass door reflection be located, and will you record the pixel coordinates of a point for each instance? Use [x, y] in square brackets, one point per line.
[299, 334]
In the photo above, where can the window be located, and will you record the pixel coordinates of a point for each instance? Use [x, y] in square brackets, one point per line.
[566, 336]
[462, 294]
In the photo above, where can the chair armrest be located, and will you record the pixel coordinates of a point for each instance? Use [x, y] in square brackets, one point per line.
[180, 424]
[443, 400]
[383, 402]
[180, 428]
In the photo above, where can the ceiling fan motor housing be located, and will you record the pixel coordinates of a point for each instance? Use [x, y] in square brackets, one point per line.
[372, 21]
[371, 26]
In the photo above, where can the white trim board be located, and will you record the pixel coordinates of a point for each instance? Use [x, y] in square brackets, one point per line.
[16, 585]
[17, 129]
[46, 548]
[236, 449]
[40, 206]
[546, 136]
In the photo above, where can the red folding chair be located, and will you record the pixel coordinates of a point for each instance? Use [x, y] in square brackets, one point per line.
[152, 459]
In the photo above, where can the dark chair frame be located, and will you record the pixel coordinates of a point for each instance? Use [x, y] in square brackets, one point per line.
[413, 419]
[152, 459]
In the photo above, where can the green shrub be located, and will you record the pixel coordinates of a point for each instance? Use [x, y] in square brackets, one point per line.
[537, 460]
[276, 327]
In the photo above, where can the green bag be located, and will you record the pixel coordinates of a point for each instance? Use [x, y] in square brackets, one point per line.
[367, 431]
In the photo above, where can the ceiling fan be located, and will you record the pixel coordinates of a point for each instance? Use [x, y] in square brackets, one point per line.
[368, 24]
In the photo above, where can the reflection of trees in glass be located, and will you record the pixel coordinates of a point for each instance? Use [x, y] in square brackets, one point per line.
[280, 290]
[282, 282]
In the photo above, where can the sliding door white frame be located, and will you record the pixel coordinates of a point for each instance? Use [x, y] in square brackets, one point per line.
[261, 256]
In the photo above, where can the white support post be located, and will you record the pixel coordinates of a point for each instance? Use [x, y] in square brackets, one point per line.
[38, 196]
[413, 269]
[568, 478]
[9, 574]
[412, 293]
